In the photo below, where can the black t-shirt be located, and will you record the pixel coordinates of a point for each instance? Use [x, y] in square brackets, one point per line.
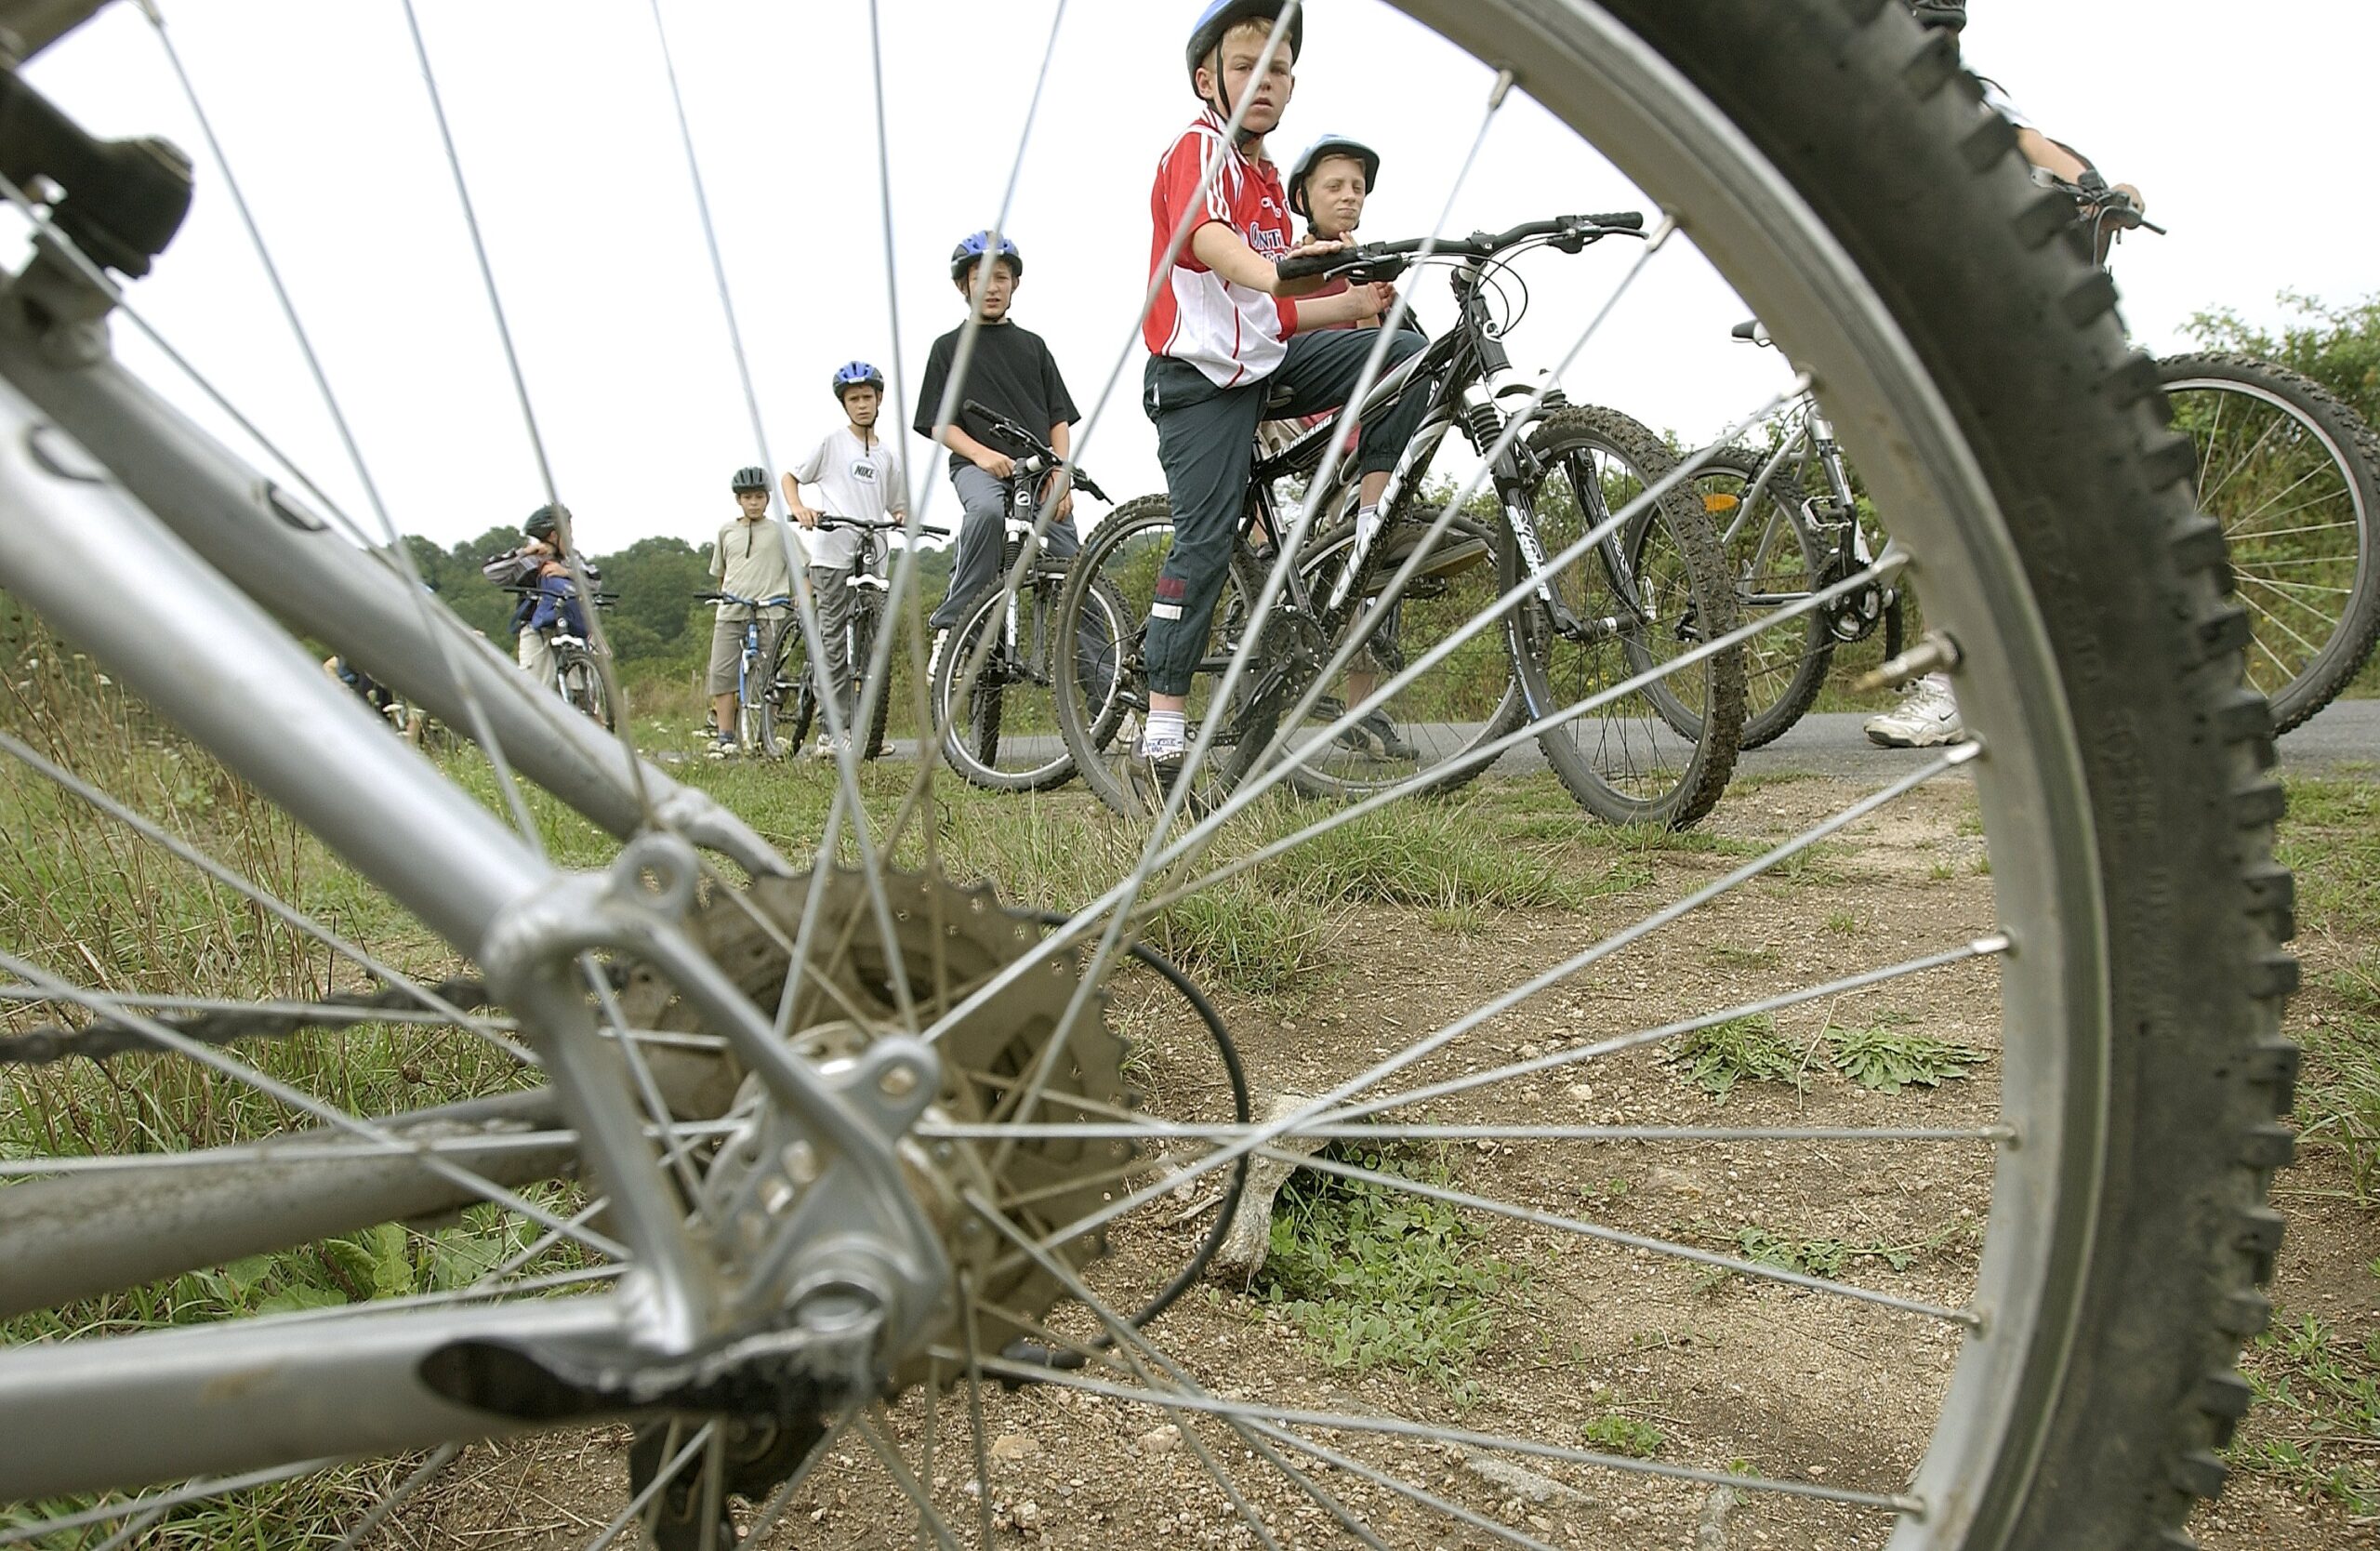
[1011, 371]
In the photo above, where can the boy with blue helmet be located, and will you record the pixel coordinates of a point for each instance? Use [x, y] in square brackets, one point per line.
[1227, 334]
[1011, 373]
[857, 477]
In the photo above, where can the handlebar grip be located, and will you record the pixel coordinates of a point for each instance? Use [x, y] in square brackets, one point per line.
[1624, 220]
[1310, 266]
[978, 407]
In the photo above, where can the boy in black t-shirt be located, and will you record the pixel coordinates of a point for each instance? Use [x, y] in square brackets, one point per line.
[1013, 372]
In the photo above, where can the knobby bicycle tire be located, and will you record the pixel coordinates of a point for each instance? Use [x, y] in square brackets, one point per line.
[2122, 1438]
[1642, 781]
[1101, 748]
[864, 620]
[1794, 659]
[973, 743]
[790, 701]
[2327, 602]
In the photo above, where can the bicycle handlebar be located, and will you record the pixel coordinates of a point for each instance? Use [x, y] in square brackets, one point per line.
[867, 525]
[779, 602]
[1040, 449]
[1385, 260]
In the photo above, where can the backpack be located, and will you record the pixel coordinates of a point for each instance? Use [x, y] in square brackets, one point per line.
[515, 569]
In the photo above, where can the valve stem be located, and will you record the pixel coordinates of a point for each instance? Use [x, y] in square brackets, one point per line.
[1935, 653]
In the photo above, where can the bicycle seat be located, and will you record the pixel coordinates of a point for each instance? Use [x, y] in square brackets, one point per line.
[1751, 332]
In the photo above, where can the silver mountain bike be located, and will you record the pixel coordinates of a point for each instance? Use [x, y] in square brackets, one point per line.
[702, 1186]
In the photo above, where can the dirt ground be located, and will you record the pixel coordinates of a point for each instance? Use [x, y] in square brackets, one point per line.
[1800, 1387]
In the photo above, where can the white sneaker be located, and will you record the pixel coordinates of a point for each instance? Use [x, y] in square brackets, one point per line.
[1927, 717]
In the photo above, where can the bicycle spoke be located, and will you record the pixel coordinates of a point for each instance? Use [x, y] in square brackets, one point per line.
[390, 542]
[428, 1471]
[1650, 1243]
[256, 895]
[213, 1486]
[2312, 649]
[1132, 1351]
[328, 1114]
[849, 804]
[529, 418]
[1956, 756]
[1164, 1401]
[929, 1517]
[678, 1461]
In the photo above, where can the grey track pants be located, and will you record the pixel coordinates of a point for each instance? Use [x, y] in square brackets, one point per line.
[1206, 439]
[983, 534]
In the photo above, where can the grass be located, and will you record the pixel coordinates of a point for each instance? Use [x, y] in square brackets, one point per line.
[1817, 1254]
[2317, 1412]
[1742, 1050]
[1373, 1276]
[1887, 1058]
[2316, 1424]
[2331, 840]
[1616, 1432]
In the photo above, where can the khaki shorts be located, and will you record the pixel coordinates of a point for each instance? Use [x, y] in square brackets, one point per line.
[727, 650]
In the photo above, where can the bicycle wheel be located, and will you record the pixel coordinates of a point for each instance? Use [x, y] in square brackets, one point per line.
[790, 703]
[1609, 623]
[1420, 738]
[1773, 557]
[864, 622]
[2293, 476]
[1001, 733]
[583, 687]
[1103, 689]
[2083, 1221]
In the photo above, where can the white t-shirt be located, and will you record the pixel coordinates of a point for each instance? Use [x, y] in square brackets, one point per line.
[854, 478]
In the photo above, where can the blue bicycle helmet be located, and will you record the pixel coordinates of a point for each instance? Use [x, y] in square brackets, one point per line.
[1223, 15]
[857, 374]
[968, 254]
[1329, 145]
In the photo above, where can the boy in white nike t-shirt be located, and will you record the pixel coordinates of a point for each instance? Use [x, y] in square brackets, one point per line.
[857, 477]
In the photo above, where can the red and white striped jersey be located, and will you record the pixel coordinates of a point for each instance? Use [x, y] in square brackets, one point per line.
[1233, 335]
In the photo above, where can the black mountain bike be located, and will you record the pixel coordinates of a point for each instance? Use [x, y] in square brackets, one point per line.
[1597, 607]
[995, 682]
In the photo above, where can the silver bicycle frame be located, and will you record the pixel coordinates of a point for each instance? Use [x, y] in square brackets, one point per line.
[223, 551]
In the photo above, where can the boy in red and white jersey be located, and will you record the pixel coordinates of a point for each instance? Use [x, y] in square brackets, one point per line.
[1227, 334]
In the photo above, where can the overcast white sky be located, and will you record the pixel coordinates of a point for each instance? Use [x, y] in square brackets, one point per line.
[562, 116]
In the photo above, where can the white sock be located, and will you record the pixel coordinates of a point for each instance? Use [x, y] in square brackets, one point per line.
[1367, 523]
[1166, 729]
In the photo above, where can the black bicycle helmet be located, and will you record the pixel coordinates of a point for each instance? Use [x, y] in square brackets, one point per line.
[751, 477]
[968, 254]
[1950, 16]
[1223, 15]
[544, 520]
[859, 374]
[1329, 145]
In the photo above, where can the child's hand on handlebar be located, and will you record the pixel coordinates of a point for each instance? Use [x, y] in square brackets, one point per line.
[1373, 298]
[996, 464]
